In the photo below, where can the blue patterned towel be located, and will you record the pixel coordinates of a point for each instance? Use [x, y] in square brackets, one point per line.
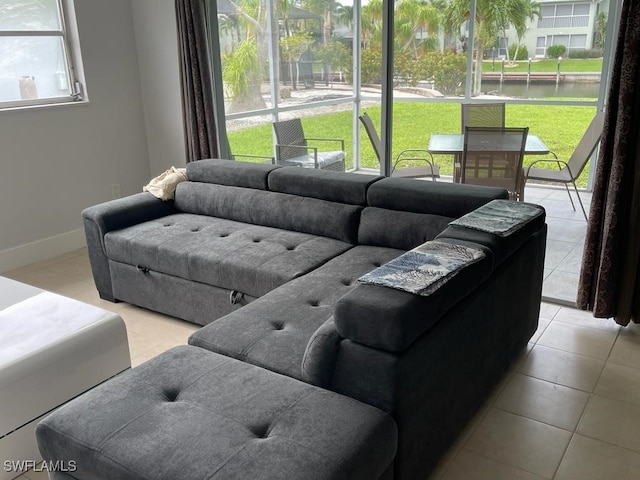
[424, 269]
[501, 217]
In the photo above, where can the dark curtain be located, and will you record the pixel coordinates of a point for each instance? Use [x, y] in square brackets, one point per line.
[610, 278]
[197, 94]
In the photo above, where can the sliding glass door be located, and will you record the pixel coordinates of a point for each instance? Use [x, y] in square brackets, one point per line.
[408, 64]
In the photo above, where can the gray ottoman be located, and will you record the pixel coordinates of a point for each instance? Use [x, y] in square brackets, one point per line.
[193, 414]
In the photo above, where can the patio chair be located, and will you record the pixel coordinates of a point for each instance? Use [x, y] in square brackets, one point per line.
[493, 157]
[250, 157]
[292, 148]
[482, 115]
[569, 171]
[410, 154]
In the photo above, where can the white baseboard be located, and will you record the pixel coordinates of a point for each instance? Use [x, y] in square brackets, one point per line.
[41, 249]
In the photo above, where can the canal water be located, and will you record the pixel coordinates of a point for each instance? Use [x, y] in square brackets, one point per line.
[540, 90]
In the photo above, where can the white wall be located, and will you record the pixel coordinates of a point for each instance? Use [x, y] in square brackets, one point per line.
[56, 161]
[156, 39]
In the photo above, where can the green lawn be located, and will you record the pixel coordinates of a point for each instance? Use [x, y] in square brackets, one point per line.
[560, 127]
[547, 65]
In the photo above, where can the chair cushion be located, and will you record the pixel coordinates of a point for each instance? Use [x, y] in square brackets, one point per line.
[191, 414]
[308, 161]
[233, 255]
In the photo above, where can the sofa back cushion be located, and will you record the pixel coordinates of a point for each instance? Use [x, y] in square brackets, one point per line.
[322, 184]
[395, 229]
[271, 209]
[229, 172]
[404, 213]
[436, 198]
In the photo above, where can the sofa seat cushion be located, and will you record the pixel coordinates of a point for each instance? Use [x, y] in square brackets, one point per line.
[274, 330]
[237, 256]
[191, 414]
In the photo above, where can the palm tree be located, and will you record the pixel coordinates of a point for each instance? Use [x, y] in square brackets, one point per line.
[601, 30]
[242, 66]
[372, 23]
[413, 18]
[492, 17]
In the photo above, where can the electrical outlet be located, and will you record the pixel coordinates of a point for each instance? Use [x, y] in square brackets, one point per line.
[115, 190]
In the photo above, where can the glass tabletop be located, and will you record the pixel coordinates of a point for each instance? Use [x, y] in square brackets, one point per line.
[453, 144]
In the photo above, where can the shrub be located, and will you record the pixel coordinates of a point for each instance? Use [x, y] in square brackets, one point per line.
[523, 53]
[595, 53]
[408, 69]
[447, 70]
[556, 51]
[371, 66]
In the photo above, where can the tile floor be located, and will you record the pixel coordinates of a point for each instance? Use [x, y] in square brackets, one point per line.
[565, 241]
[569, 409]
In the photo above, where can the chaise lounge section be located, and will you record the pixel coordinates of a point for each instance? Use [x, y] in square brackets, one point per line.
[268, 259]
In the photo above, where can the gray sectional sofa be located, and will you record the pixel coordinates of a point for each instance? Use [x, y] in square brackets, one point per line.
[268, 258]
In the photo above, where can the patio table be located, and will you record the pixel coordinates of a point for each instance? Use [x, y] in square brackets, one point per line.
[453, 144]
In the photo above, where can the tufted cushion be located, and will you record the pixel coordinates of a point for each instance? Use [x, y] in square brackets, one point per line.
[233, 255]
[191, 414]
[275, 331]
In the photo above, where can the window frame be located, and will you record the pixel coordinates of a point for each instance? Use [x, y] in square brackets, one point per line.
[67, 33]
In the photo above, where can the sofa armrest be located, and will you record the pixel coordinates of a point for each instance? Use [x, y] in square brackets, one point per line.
[114, 215]
[390, 319]
[320, 355]
[502, 247]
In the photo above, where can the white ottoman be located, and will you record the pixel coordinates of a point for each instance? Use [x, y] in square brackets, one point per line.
[52, 349]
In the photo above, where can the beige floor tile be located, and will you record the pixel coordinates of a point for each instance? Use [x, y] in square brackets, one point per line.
[564, 368]
[472, 425]
[152, 352]
[40, 474]
[75, 267]
[15, 273]
[612, 421]
[626, 350]
[22, 477]
[519, 442]
[590, 342]
[55, 282]
[155, 326]
[471, 466]
[585, 319]
[620, 382]
[520, 359]
[543, 401]
[93, 298]
[139, 344]
[65, 256]
[444, 464]
[548, 310]
[543, 323]
[590, 459]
